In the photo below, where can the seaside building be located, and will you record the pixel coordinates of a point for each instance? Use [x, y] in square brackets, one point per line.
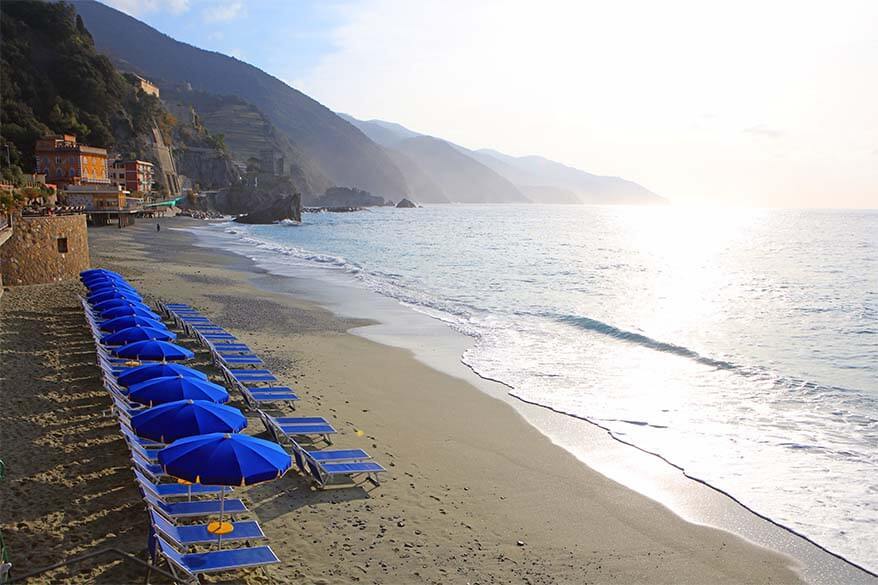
[146, 86]
[105, 204]
[133, 175]
[65, 162]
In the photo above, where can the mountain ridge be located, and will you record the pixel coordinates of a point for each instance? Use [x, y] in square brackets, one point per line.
[540, 179]
[343, 153]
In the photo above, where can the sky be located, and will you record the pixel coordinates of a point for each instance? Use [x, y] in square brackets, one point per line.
[750, 103]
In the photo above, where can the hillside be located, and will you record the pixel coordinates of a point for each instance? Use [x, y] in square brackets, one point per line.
[462, 179]
[539, 179]
[343, 153]
[247, 134]
[54, 81]
[424, 189]
[589, 188]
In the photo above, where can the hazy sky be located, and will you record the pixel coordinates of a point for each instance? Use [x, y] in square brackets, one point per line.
[765, 103]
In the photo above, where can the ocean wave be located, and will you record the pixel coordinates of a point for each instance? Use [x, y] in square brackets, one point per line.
[641, 339]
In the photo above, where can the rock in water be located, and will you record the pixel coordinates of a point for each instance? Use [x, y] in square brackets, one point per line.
[285, 207]
[406, 203]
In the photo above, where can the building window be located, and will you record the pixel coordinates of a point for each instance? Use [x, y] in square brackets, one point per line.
[62, 245]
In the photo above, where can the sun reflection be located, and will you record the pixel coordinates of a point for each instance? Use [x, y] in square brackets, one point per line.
[681, 251]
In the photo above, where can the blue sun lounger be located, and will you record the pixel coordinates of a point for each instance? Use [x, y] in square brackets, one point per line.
[183, 536]
[269, 394]
[240, 360]
[195, 509]
[285, 427]
[216, 336]
[326, 466]
[230, 348]
[176, 490]
[152, 470]
[216, 561]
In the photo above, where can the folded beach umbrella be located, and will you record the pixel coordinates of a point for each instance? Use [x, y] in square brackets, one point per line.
[225, 459]
[186, 418]
[132, 334]
[127, 321]
[150, 371]
[154, 350]
[114, 312]
[101, 296]
[172, 388]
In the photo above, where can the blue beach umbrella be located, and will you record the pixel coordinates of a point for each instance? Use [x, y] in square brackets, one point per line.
[149, 371]
[104, 281]
[110, 286]
[185, 418]
[113, 303]
[100, 297]
[101, 276]
[97, 271]
[114, 312]
[132, 334]
[127, 321]
[174, 388]
[224, 459]
[154, 350]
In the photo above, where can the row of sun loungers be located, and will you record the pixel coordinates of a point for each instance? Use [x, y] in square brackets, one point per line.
[260, 390]
[177, 512]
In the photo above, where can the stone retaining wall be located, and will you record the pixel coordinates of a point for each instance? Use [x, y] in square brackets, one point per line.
[45, 249]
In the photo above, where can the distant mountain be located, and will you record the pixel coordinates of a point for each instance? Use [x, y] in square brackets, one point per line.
[462, 179]
[381, 132]
[343, 153]
[438, 171]
[536, 171]
[539, 179]
[424, 189]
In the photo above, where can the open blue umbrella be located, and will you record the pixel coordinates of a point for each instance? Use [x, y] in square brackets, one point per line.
[103, 279]
[132, 334]
[97, 271]
[127, 321]
[114, 312]
[225, 459]
[110, 287]
[185, 418]
[150, 371]
[154, 350]
[173, 388]
[113, 303]
[100, 296]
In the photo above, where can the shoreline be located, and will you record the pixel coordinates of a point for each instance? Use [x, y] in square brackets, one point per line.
[458, 496]
[717, 507]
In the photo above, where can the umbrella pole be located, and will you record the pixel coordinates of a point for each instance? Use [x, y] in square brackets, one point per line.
[222, 502]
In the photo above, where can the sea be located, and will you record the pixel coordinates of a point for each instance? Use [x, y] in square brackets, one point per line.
[740, 345]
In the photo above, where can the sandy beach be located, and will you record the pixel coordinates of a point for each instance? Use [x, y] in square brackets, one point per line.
[474, 494]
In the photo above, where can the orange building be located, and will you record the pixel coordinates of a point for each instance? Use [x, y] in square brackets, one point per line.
[66, 162]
